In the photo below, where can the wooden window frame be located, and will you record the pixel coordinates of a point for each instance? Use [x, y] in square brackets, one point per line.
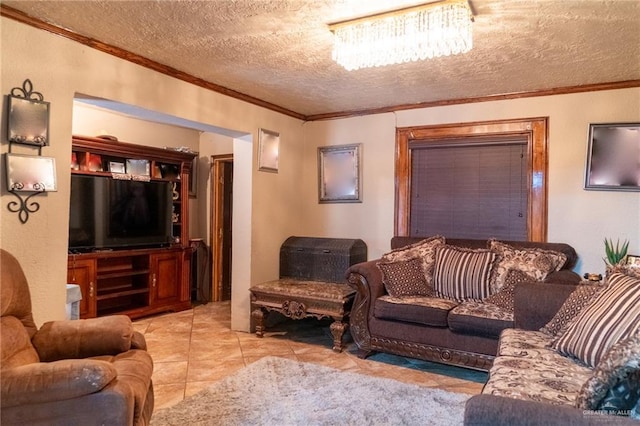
[534, 129]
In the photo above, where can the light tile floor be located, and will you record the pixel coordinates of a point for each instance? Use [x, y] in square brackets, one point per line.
[193, 349]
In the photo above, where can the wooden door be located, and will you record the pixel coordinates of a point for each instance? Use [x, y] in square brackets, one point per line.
[222, 219]
[166, 282]
[82, 272]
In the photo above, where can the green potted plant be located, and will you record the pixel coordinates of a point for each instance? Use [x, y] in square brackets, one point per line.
[616, 254]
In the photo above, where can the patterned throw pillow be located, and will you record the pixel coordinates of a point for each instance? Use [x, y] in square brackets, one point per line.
[632, 271]
[612, 316]
[615, 382]
[505, 297]
[462, 274]
[577, 300]
[424, 250]
[623, 396]
[404, 278]
[535, 262]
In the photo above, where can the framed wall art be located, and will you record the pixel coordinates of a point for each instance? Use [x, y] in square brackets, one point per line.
[340, 174]
[633, 260]
[268, 150]
[612, 157]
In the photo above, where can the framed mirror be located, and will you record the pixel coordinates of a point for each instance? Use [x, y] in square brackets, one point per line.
[269, 151]
[339, 174]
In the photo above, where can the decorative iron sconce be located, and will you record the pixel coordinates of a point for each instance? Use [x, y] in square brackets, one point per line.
[28, 175]
[28, 121]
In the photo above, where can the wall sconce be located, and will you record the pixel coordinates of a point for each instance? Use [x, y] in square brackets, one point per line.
[28, 121]
[28, 175]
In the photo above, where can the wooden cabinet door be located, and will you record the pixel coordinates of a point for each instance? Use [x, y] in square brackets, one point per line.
[166, 279]
[82, 272]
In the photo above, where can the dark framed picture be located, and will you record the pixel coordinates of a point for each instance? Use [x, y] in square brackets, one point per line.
[612, 157]
[633, 260]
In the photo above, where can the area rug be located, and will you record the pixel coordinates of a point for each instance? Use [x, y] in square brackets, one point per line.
[278, 391]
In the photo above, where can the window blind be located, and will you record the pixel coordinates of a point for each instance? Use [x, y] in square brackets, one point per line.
[470, 190]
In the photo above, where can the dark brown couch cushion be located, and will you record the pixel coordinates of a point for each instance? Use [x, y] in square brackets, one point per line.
[416, 309]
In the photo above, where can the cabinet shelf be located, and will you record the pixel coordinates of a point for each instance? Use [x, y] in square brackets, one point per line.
[114, 288]
[105, 275]
[117, 294]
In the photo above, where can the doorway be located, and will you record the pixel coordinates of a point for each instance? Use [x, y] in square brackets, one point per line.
[221, 225]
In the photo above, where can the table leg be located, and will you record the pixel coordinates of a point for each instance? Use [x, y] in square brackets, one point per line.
[258, 315]
[337, 328]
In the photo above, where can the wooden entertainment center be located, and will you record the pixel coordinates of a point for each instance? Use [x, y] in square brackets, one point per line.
[136, 281]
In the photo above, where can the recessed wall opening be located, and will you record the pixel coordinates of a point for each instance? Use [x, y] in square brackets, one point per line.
[132, 124]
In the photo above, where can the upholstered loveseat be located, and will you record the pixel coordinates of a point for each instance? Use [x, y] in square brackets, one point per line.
[573, 359]
[440, 322]
[81, 372]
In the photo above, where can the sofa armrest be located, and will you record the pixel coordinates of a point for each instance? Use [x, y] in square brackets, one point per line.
[109, 335]
[491, 410]
[366, 279]
[54, 381]
[138, 341]
[536, 303]
[372, 276]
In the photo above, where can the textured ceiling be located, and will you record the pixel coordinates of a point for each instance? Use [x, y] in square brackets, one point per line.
[279, 51]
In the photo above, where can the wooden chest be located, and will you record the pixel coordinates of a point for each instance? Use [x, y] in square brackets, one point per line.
[320, 259]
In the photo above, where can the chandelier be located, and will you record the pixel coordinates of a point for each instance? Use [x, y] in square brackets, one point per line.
[416, 33]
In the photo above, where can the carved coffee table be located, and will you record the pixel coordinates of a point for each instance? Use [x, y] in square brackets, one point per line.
[299, 299]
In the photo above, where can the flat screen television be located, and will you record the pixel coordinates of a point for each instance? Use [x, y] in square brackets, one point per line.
[613, 157]
[109, 213]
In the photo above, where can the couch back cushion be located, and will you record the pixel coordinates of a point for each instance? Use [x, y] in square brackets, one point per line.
[535, 262]
[461, 273]
[15, 345]
[572, 256]
[613, 315]
[423, 250]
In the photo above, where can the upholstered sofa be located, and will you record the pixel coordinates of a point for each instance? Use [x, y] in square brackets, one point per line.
[80, 372]
[573, 359]
[449, 328]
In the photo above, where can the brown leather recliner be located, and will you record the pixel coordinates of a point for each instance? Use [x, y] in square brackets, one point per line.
[81, 372]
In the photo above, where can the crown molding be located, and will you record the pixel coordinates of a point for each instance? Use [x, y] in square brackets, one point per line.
[24, 18]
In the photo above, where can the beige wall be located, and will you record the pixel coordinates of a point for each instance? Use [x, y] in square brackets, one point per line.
[92, 121]
[60, 68]
[578, 217]
[272, 206]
